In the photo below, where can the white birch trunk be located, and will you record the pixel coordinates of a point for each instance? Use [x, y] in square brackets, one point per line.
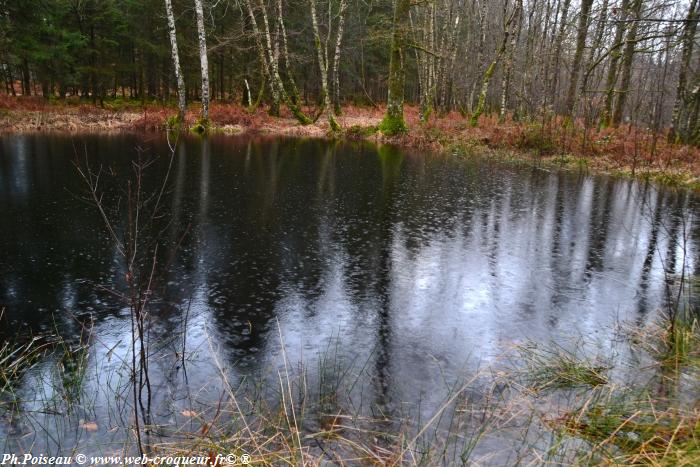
[278, 88]
[508, 66]
[323, 67]
[336, 58]
[182, 98]
[285, 50]
[271, 64]
[264, 64]
[204, 62]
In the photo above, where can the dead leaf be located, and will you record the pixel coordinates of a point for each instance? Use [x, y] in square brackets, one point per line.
[89, 426]
[189, 413]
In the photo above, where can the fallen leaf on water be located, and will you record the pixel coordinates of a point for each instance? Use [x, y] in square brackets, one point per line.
[189, 413]
[89, 426]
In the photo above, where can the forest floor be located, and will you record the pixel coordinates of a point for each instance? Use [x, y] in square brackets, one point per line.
[622, 151]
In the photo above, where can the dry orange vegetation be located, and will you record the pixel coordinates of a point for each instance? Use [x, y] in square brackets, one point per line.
[623, 149]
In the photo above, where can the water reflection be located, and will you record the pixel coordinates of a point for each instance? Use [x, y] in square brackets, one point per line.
[416, 268]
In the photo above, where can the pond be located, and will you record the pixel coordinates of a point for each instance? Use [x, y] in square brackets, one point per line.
[408, 271]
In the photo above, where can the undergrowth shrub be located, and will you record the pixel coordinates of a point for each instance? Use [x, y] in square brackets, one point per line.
[535, 137]
[232, 115]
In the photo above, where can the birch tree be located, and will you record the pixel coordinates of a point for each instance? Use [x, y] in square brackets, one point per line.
[508, 65]
[336, 57]
[285, 50]
[263, 57]
[322, 55]
[203, 60]
[182, 97]
[269, 59]
[508, 30]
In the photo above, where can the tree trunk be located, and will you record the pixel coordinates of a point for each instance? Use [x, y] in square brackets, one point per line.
[203, 60]
[285, 50]
[323, 68]
[26, 81]
[264, 65]
[611, 78]
[627, 58]
[556, 57]
[687, 43]
[591, 63]
[508, 67]
[445, 79]
[481, 105]
[181, 97]
[480, 52]
[336, 58]
[393, 122]
[425, 59]
[578, 55]
[270, 66]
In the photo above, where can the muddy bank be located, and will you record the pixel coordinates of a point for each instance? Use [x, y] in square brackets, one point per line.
[623, 151]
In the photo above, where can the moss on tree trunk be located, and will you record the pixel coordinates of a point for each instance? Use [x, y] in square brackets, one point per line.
[393, 122]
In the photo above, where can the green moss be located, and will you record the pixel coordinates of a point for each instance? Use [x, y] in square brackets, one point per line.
[474, 121]
[201, 126]
[426, 113]
[335, 126]
[391, 126]
[300, 116]
[359, 131]
[274, 110]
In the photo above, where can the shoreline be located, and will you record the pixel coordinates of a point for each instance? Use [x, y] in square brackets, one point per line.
[628, 155]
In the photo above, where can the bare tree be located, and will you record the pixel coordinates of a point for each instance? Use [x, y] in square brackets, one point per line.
[677, 131]
[393, 121]
[508, 30]
[508, 65]
[578, 55]
[626, 65]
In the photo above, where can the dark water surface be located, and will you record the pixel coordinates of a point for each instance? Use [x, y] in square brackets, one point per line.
[412, 269]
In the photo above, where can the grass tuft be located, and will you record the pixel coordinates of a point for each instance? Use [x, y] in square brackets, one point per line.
[637, 429]
[556, 368]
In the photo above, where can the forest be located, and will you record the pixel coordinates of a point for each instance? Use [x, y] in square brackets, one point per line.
[603, 62]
